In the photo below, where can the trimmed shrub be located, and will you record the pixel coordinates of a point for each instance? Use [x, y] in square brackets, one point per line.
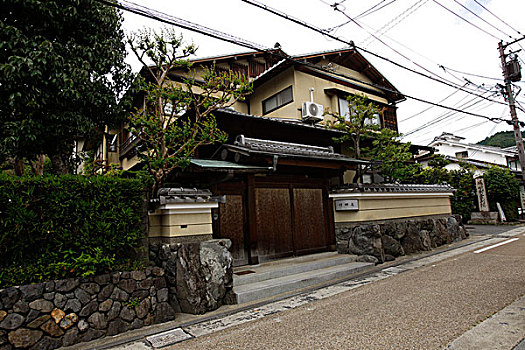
[503, 187]
[63, 226]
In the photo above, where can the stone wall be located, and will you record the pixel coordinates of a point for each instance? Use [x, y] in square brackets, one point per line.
[199, 274]
[65, 312]
[385, 240]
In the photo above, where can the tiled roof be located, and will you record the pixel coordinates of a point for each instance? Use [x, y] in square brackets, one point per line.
[270, 147]
[288, 121]
[397, 188]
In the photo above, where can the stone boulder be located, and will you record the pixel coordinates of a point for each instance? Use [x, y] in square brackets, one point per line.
[391, 246]
[412, 242]
[204, 275]
[366, 240]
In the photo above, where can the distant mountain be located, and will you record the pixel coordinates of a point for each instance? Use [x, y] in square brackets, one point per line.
[501, 139]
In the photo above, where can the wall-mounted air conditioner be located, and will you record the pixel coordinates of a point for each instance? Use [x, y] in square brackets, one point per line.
[312, 112]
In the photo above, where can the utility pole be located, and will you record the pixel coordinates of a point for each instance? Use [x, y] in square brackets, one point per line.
[512, 105]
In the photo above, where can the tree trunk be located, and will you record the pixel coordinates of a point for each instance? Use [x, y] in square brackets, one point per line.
[38, 165]
[59, 164]
[19, 166]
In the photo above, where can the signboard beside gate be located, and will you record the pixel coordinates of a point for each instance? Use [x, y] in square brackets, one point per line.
[347, 205]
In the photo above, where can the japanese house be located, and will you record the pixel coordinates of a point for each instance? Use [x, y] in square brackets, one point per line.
[280, 160]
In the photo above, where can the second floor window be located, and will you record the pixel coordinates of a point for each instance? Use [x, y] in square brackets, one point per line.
[344, 110]
[462, 155]
[278, 100]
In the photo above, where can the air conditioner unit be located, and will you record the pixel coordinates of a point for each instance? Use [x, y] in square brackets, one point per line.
[312, 112]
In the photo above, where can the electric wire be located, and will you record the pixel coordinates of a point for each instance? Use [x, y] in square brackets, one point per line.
[468, 104]
[428, 108]
[482, 19]
[502, 21]
[445, 69]
[350, 43]
[390, 24]
[371, 10]
[153, 14]
[466, 20]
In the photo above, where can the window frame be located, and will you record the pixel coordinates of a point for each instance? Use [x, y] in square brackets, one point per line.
[276, 96]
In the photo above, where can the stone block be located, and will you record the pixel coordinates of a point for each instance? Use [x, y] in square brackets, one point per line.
[90, 287]
[82, 296]
[117, 326]
[12, 321]
[72, 305]
[32, 291]
[89, 309]
[21, 307]
[47, 343]
[105, 293]
[36, 323]
[68, 321]
[9, 297]
[41, 305]
[98, 321]
[24, 338]
[105, 305]
[57, 315]
[66, 285]
[51, 328]
[71, 337]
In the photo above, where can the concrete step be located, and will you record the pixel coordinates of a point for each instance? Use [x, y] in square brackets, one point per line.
[274, 286]
[290, 266]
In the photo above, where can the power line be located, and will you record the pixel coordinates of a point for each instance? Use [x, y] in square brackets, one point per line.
[443, 117]
[351, 43]
[153, 14]
[445, 69]
[486, 9]
[388, 26]
[482, 19]
[466, 20]
[371, 10]
[426, 109]
[179, 22]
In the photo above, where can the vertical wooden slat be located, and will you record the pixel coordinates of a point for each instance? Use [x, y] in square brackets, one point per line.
[273, 219]
[231, 226]
[310, 220]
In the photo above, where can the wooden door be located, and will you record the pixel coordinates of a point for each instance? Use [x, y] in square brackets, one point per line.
[230, 221]
[310, 221]
[273, 223]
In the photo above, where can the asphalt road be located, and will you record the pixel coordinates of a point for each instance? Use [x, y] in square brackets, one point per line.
[424, 308]
[487, 230]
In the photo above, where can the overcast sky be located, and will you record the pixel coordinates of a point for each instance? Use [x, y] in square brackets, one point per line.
[421, 30]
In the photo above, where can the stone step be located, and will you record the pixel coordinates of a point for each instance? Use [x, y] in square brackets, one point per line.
[290, 266]
[272, 287]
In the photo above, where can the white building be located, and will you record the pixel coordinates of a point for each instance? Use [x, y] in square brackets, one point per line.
[454, 149]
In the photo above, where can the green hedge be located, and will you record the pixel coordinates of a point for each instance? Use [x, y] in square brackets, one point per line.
[64, 226]
[503, 187]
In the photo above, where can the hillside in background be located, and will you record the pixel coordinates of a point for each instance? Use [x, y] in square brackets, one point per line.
[501, 139]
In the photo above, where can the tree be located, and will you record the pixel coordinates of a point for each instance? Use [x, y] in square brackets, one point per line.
[502, 187]
[356, 125]
[396, 160]
[177, 116]
[62, 72]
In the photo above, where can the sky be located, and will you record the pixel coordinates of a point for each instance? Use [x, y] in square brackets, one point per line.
[418, 34]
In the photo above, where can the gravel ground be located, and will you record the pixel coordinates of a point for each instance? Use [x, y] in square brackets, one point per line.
[424, 308]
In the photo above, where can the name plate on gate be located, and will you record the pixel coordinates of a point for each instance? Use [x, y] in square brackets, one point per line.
[346, 205]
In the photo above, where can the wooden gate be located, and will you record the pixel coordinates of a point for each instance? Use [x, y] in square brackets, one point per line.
[267, 219]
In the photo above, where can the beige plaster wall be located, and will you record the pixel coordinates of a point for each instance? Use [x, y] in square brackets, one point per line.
[270, 88]
[180, 220]
[374, 206]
